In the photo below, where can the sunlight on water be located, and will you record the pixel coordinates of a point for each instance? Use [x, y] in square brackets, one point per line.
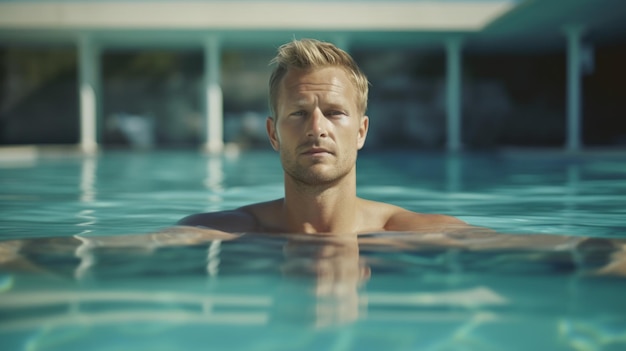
[73, 289]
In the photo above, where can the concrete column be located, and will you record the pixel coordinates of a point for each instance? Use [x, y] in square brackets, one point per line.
[453, 93]
[88, 74]
[213, 92]
[574, 73]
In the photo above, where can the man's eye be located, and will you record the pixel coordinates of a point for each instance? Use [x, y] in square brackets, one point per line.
[298, 114]
[336, 113]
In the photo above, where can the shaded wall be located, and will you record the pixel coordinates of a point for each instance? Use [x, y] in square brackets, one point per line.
[38, 96]
[604, 107]
[508, 99]
[514, 100]
[151, 98]
[245, 76]
[407, 98]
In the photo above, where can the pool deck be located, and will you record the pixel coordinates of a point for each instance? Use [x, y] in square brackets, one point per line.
[29, 153]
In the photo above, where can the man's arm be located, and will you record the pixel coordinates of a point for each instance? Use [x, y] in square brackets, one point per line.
[447, 231]
[16, 255]
[444, 232]
[194, 229]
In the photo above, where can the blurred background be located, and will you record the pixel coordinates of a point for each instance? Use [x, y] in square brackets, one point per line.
[445, 74]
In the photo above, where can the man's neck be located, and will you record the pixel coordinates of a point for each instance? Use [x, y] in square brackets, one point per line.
[321, 209]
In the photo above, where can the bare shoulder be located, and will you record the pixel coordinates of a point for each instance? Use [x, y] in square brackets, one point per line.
[232, 221]
[251, 218]
[404, 220]
[388, 217]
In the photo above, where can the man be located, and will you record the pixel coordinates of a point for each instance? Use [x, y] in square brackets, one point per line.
[318, 100]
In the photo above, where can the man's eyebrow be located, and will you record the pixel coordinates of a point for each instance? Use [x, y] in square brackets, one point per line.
[338, 104]
[299, 102]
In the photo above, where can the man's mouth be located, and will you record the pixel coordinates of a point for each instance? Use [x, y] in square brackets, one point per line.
[316, 151]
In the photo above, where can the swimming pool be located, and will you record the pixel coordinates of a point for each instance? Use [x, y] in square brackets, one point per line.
[271, 293]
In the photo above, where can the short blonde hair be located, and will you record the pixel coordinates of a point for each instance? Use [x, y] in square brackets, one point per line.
[311, 54]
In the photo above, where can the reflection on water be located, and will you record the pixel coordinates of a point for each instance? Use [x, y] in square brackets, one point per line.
[214, 183]
[572, 186]
[89, 166]
[394, 284]
[453, 173]
[380, 292]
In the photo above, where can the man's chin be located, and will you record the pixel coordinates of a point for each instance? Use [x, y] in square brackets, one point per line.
[316, 178]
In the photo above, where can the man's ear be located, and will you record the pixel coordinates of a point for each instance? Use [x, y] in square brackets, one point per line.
[363, 127]
[270, 126]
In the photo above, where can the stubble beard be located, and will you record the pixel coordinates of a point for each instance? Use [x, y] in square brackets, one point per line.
[310, 176]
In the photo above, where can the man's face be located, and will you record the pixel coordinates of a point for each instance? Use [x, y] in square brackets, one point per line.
[318, 128]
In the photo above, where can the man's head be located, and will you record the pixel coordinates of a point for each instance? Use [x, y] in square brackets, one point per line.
[313, 54]
[318, 99]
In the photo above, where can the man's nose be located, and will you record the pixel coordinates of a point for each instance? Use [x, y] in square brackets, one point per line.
[317, 125]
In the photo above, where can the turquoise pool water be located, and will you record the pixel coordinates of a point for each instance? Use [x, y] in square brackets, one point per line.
[277, 293]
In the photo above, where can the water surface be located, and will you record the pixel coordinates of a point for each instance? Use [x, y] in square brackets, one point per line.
[267, 292]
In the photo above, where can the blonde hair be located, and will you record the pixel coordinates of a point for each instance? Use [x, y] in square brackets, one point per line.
[310, 54]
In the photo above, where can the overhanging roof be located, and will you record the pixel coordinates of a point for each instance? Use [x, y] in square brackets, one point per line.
[254, 15]
[485, 24]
